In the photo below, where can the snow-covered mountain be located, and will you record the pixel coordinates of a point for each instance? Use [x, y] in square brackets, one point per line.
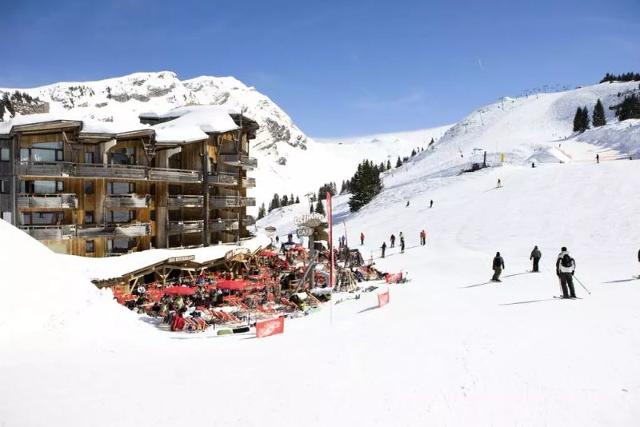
[122, 98]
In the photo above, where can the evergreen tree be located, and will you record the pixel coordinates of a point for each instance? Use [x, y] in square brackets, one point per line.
[320, 207]
[399, 162]
[413, 152]
[262, 211]
[297, 199]
[365, 185]
[311, 208]
[599, 118]
[576, 120]
[584, 121]
[388, 164]
[629, 108]
[381, 167]
[275, 202]
[285, 200]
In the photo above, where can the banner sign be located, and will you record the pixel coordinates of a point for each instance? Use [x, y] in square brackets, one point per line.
[269, 327]
[394, 278]
[383, 299]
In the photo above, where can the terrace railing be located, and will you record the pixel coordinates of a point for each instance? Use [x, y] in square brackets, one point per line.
[50, 232]
[224, 225]
[127, 201]
[183, 227]
[225, 202]
[185, 201]
[48, 201]
[224, 179]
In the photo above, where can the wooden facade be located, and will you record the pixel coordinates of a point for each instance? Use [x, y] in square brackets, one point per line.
[95, 194]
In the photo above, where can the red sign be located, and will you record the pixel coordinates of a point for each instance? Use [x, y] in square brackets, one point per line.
[265, 328]
[383, 298]
[394, 278]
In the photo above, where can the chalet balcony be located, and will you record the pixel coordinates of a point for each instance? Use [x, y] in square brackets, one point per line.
[227, 202]
[100, 170]
[185, 201]
[249, 220]
[224, 225]
[239, 160]
[115, 230]
[224, 180]
[50, 232]
[47, 201]
[127, 201]
[51, 169]
[248, 182]
[174, 175]
[184, 227]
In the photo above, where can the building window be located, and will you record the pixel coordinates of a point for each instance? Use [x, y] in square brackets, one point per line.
[42, 218]
[120, 245]
[121, 187]
[88, 187]
[5, 154]
[4, 186]
[88, 157]
[43, 152]
[41, 187]
[88, 217]
[118, 217]
[90, 246]
[122, 156]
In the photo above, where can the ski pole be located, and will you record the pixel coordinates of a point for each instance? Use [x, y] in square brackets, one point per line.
[583, 286]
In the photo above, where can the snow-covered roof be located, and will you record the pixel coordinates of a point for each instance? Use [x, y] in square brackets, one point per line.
[179, 134]
[191, 123]
[88, 125]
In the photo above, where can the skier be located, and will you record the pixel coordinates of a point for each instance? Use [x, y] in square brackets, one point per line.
[499, 183]
[401, 243]
[423, 237]
[393, 240]
[384, 248]
[431, 204]
[407, 204]
[361, 238]
[566, 269]
[498, 266]
[535, 256]
[597, 158]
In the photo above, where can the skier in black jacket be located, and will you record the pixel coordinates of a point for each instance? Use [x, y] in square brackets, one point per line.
[566, 268]
[498, 266]
[535, 256]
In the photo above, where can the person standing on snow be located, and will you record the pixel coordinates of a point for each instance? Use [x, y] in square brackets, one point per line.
[423, 237]
[384, 248]
[535, 256]
[597, 158]
[393, 240]
[431, 204]
[498, 266]
[499, 183]
[361, 238]
[566, 269]
[401, 243]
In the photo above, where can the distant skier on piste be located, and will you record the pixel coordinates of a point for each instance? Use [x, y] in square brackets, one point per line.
[498, 266]
[383, 248]
[499, 185]
[431, 204]
[401, 243]
[393, 240]
[535, 256]
[361, 238]
[423, 238]
[565, 268]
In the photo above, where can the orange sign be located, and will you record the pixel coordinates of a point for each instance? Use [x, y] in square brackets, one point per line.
[383, 299]
[269, 327]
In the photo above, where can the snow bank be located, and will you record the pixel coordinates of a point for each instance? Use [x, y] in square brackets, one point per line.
[44, 295]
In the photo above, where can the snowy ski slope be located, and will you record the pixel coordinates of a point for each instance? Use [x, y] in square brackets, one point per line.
[451, 349]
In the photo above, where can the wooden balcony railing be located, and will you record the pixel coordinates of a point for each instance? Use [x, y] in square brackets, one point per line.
[50, 232]
[47, 201]
[185, 201]
[127, 201]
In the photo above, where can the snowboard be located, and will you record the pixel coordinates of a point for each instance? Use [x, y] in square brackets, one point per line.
[561, 297]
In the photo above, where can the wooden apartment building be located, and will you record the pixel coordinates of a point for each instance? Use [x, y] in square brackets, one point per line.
[88, 188]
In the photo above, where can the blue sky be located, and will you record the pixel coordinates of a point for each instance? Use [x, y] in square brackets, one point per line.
[337, 67]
